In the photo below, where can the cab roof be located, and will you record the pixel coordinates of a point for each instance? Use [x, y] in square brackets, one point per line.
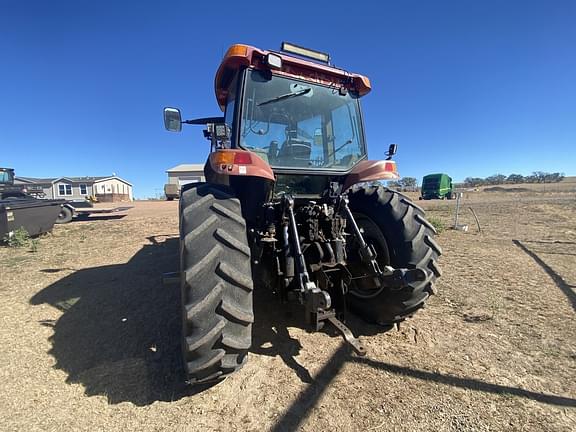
[241, 56]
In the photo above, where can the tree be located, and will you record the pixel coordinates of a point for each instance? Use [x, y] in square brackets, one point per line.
[496, 179]
[408, 183]
[553, 177]
[515, 178]
[540, 176]
[473, 181]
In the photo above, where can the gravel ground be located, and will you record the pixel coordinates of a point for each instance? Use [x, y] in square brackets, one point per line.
[90, 336]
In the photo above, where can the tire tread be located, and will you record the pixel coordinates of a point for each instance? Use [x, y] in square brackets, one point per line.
[216, 289]
[410, 240]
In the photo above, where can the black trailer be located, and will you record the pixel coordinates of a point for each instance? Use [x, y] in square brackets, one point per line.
[35, 216]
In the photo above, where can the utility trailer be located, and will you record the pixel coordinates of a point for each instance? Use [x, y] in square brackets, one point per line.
[83, 210]
[18, 209]
[171, 191]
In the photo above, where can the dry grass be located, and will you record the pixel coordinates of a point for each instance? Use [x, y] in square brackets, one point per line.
[90, 337]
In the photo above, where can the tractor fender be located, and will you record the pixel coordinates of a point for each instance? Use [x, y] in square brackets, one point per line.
[238, 162]
[369, 171]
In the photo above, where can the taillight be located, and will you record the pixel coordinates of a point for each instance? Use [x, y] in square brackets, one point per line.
[390, 166]
[224, 157]
[242, 159]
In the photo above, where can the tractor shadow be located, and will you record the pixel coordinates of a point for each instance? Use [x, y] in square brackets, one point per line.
[270, 334]
[119, 334]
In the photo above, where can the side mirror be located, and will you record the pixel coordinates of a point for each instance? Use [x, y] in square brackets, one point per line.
[172, 119]
[391, 151]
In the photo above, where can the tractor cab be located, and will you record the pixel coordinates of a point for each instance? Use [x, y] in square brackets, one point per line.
[291, 118]
[293, 113]
[6, 176]
[7, 187]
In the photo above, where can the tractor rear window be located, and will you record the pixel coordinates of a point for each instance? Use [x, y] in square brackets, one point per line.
[296, 124]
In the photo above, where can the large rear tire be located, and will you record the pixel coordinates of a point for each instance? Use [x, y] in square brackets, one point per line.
[216, 283]
[403, 238]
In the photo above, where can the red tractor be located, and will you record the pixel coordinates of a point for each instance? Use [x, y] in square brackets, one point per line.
[292, 203]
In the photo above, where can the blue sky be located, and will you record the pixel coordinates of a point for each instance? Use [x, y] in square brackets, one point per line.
[471, 88]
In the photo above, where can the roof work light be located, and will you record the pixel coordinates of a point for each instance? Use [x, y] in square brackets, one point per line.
[305, 52]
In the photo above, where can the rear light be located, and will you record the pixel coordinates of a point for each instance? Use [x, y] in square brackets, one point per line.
[242, 159]
[227, 157]
[390, 166]
[224, 158]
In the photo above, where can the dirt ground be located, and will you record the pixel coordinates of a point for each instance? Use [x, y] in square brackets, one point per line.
[90, 336]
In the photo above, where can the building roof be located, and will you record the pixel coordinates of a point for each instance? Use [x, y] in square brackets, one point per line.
[34, 180]
[82, 179]
[88, 180]
[187, 167]
[99, 179]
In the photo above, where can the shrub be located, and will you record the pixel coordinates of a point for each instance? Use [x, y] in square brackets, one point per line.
[34, 244]
[437, 223]
[18, 238]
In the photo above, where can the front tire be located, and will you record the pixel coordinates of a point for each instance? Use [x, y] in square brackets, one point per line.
[216, 283]
[402, 238]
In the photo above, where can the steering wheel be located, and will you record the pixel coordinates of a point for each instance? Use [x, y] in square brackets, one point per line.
[255, 148]
[289, 148]
[294, 151]
[296, 145]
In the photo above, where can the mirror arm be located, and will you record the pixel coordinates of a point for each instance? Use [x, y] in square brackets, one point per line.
[203, 121]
